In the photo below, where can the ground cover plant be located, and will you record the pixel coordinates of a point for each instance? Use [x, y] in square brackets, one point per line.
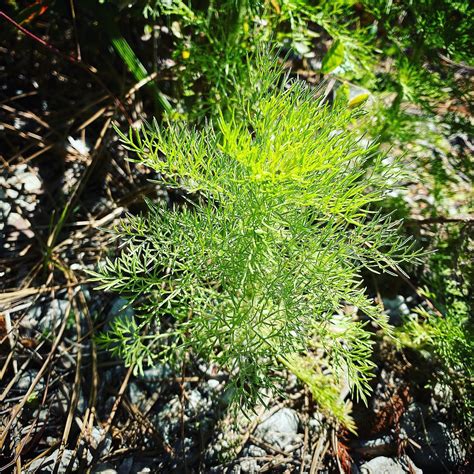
[253, 326]
[251, 272]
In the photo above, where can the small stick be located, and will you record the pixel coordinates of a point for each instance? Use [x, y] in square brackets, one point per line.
[76, 387]
[306, 429]
[52, 48]
[17, 409]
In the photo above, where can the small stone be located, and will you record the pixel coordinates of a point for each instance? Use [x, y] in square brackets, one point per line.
[442, 395]
[76, 144]
[317, 422]
[280, 429]
[156, 373]
[12, 193]
[49, 314]
[136, 394]
[396, 308]
[440, 449]
[285, 420]
[96, 439]
[197, 402]
[253, 451]
[249, 466]
[120, 307]
[25, 381]
[126, 466]
[20, 224]
[140, 469]
[104, 469]
[46, 465]
[5, 209]
[384, 465]
[213, 383]
[31, 183]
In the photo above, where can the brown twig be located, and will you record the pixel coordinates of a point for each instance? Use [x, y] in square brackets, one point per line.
[306, 429]
[44, 43]
[17, 409]
[75, 388]
[143, 419]
[121, 391]
[73, 15]
[319, 452]
[449, 61]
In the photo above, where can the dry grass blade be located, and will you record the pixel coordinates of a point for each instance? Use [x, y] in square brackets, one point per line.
[10, 297]
[15, 378]
[319, 452]
[75, 388]
[17, 409]
[306, 429]
[111, 417]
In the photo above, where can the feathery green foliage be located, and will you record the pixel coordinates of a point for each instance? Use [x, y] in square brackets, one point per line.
[446, 338]
[401, 52]
[258, 266]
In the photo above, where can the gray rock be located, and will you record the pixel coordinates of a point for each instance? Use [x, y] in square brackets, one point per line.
[382, 446]
[196, 402]
[396, 308]
[46, 464]
[62, 398]
[95, 446]
[384, 465]
[249, 466]
[104, 469]
[126, 466]
[440, 449]
[119, 307]
[136, 393]
[25, 381]
[96, 437]
[49, 315]
[317, 423]
[285, 420]
[156, 374]
[442, 397]
[280, 429]
[136, 466]
[166, 420]
[213, 384]
[253, 451]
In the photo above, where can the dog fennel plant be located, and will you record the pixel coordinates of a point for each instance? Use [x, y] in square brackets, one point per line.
[255, 271]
